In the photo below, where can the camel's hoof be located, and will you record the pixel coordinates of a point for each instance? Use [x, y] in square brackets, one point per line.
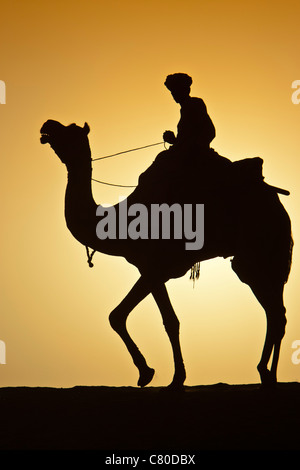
[174, 387]
[268, 385]
[268, 381]
[146, 377]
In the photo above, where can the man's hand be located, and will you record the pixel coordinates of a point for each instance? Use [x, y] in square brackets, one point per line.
[169, 137]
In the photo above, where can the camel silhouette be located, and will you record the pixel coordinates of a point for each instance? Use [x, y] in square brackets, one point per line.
[244, 220]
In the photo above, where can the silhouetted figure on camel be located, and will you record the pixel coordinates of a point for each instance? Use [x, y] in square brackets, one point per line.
[190, 162]
[195, 130]
[245, 221]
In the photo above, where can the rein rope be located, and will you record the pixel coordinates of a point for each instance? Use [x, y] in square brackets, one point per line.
[90, 256]
[120, 153]
[127, 151]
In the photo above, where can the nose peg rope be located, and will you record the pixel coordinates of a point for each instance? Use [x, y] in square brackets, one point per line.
[90, 256]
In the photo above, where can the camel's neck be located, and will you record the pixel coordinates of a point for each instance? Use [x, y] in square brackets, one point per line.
[79, 188]
[80, 207]
[80, 211]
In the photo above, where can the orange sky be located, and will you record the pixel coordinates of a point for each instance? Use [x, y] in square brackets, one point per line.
[105, 63]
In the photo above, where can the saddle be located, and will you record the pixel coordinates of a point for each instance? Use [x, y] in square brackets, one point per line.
[220, 172]
[249, 170]
[181, 178]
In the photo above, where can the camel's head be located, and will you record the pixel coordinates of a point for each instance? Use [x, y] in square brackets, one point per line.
[70, 143]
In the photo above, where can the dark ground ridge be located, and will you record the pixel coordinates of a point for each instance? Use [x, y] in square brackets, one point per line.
[203, 418]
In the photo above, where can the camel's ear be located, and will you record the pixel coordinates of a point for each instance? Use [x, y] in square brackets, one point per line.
[86, 128]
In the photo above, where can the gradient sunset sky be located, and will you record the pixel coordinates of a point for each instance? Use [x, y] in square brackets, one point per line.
[105, 63]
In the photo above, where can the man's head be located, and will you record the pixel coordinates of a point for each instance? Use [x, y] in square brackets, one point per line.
[179, 85]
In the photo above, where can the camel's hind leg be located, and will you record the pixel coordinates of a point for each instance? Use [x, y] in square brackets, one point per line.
[118, 319]
[270, 295]
[272, 302]
[271, 299]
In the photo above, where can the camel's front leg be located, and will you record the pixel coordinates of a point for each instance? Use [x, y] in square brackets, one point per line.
[171, 324]
[118, 319]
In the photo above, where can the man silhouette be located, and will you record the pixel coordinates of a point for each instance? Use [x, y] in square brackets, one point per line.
[190, 154]
[195, 130]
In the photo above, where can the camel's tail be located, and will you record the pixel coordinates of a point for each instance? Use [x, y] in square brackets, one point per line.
[285, 244]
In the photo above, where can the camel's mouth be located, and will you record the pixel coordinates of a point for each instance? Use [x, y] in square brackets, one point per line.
[44, 138]
[47, 130]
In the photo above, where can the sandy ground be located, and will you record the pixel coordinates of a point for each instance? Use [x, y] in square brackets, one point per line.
[115, 420]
